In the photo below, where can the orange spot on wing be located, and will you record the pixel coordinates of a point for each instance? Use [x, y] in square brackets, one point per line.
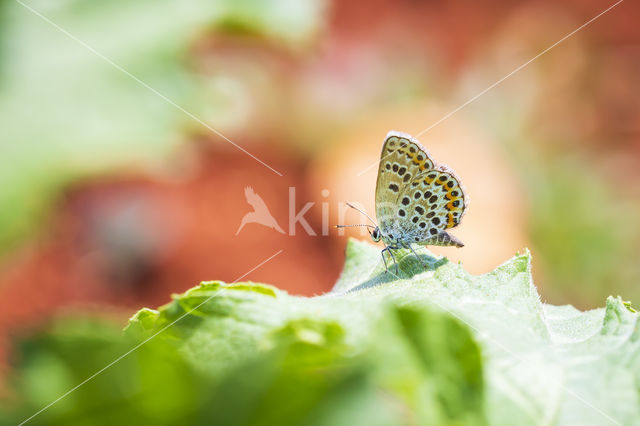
[450, 220]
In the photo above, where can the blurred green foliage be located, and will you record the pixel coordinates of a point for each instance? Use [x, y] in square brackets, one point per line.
[585, 230]
[431, 347]
[299, 372]
[581, 223]
[75, 104]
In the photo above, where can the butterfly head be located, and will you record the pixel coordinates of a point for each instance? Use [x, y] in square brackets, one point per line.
[376, 235]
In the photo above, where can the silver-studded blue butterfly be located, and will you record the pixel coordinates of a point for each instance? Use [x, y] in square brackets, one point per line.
[416, 200]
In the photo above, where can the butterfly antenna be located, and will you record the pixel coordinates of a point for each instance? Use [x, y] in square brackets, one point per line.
[351, 226]
[363, 212]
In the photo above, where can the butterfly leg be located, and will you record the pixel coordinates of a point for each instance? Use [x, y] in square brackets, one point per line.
[390, 248]
[424, 265]
[386, 269]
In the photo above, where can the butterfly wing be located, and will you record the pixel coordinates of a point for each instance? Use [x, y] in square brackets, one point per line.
[431, 203]
[402, 159]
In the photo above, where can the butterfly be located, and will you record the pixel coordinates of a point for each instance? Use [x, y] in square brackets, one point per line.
[416, 199]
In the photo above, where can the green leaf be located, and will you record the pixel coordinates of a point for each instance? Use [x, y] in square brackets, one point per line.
[434, 345]
[543, 363]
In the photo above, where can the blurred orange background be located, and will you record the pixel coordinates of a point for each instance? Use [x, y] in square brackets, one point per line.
[113, 200]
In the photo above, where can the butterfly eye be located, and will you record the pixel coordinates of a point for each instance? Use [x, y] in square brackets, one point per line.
[375, 235]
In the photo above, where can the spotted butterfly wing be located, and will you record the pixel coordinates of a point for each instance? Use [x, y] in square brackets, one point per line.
[431, 203]
[402, 159]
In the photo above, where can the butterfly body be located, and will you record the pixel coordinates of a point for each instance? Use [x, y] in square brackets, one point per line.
[416, 199]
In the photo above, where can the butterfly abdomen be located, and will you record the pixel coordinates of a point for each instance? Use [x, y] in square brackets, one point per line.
[444, 239]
